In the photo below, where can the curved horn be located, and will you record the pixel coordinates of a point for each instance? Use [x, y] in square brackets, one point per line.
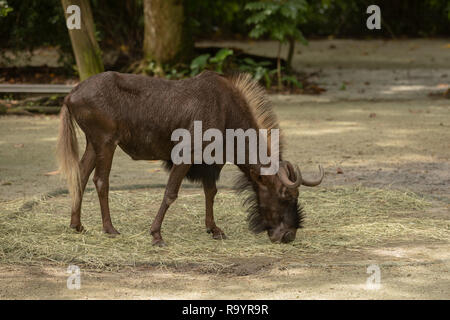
[313, 183]
[283, 174]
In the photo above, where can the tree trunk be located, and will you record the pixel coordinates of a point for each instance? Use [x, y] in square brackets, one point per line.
[290, 54]
[165, 38]
[85, 47]
[280, 83]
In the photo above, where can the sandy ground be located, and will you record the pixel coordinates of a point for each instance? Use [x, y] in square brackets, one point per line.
[391, 135]
[426, 278]
[367, 70]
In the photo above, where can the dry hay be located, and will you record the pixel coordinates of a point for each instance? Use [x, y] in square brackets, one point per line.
[336, 218]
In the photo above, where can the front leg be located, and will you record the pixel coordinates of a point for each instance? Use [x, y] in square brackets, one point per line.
[210, 189]
[176, 176]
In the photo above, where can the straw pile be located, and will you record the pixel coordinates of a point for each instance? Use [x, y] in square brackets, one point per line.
[344, 217]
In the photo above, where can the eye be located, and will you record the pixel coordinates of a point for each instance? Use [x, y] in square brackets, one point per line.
[286, 198]
[283, 193]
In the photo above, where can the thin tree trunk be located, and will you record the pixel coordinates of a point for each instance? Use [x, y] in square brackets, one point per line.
[280, 84]
[85, 47]
[290, 54]
[165, 38]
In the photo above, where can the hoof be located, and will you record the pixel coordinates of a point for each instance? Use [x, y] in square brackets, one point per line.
[217, 233]
[159, 243]
[111, 231]
[219, 236]
[77, 227]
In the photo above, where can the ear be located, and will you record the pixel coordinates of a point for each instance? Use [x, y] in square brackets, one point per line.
[258, 178]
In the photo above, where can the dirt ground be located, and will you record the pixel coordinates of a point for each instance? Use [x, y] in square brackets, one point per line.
[377, 124]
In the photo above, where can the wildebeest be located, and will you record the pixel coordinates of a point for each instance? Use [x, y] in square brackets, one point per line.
[139, 114]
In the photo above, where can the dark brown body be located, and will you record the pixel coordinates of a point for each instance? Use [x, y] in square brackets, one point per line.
[139, 114]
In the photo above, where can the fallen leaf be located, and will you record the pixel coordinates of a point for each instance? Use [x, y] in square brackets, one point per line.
[339, 171]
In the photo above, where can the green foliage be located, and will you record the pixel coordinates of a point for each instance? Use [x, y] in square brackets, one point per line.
[4, 8]
[259, 70]
[448, 11]
[224, 61]
[33, 23]
[119, 24]
[218, 18]
[174, 73]
[216, 63]
[219, 59]
[292, 81]
[199, 64]
[347, 18]
[278, 19]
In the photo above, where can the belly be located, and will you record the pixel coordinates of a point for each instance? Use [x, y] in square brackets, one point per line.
[149, 149]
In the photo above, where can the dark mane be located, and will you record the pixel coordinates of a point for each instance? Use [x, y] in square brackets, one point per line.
[244, 186]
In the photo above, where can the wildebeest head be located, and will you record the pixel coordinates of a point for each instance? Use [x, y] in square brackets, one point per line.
[273, 207]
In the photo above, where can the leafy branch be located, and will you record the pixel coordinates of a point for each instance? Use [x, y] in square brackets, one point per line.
[279, 19]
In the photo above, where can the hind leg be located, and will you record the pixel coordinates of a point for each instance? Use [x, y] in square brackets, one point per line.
[87, 164]
[103, 161]
[210, 189]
